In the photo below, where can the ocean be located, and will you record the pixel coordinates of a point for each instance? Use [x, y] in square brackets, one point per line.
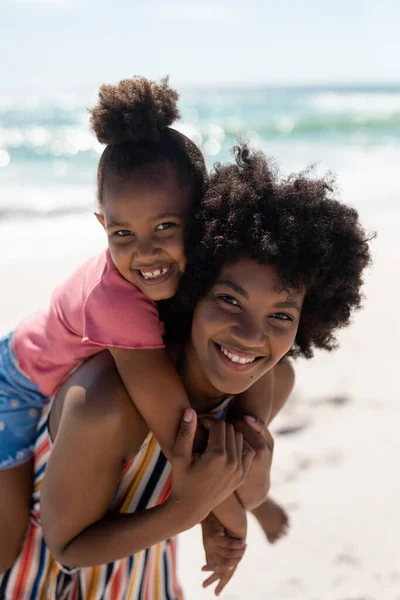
[48, 156]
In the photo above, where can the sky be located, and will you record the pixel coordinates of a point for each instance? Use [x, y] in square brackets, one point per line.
[85, 42]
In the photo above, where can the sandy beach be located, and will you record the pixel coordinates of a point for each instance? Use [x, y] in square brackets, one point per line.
[337, 448]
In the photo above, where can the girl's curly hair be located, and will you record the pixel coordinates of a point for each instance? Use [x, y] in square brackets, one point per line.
[133, 118]
[293, 223]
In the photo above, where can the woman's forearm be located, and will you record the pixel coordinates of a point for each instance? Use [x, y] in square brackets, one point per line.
[119, 535]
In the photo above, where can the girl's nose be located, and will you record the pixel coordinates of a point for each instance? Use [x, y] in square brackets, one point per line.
[144, 251]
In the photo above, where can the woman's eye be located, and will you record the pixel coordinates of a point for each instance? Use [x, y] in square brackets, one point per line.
[123, 232]
[163, 226]
[229, 300]
[282, 317]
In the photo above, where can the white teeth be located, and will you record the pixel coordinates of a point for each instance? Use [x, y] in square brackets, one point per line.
[154, 274]
[236, 359]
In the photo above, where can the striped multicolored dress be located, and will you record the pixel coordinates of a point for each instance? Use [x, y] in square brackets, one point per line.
[147, 575]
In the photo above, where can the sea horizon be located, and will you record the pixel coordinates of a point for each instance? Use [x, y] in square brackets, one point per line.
[48, 155]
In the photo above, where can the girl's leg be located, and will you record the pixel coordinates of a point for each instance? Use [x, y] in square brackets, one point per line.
[273, 519]
[271, 516]
[15, 493]
[21, 404]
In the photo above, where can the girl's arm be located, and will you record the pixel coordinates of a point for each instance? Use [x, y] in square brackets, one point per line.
[81, 478]
[84, 471]
[256, 404]
[223, 554]
[158, 393]
[232, 515]
[155, 389]
[262, 401]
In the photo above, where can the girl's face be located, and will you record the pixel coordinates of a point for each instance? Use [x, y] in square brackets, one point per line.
[243, 326]
[144, 221]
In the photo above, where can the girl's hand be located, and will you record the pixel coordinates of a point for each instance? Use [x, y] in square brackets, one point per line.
[256, 487]
[223, 553]
[200, 485]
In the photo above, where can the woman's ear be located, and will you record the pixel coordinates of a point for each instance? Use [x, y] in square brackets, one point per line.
[100, 217]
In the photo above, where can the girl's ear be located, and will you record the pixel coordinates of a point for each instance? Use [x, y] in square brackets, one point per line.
[100, 218]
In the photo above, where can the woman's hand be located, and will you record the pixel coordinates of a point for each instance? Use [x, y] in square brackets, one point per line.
[255, 489]
[201, 484]
[223, 553]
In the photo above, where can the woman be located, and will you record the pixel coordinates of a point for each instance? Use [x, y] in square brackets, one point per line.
[278, 268]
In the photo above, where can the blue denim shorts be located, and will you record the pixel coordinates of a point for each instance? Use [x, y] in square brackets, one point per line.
[21, 405]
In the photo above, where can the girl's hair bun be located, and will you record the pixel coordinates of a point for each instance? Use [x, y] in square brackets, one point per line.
[134, 110]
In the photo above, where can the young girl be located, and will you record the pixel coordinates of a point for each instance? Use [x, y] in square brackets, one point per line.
[149, 177]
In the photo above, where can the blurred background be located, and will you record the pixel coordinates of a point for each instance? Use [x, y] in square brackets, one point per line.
[310, 82]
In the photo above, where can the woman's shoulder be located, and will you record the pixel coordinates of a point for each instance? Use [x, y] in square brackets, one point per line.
[94, 399]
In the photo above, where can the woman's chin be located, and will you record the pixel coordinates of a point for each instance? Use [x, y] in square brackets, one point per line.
[233, 388]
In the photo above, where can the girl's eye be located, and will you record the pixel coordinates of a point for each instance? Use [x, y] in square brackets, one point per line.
[282, 317]
[123, 232]
[167, 225]
[229, 300]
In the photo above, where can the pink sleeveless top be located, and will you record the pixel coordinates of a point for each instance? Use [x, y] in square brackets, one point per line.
[95, 308]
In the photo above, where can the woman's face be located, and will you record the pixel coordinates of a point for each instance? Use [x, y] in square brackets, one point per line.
[243, 326]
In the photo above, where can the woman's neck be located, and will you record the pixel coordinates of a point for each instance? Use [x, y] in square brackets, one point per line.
[202, 395]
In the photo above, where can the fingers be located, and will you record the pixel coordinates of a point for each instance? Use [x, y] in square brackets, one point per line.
[195, 457]
[223, 439]
[254, 422]
[211, 579]
[217, 437]
[184, 440]
[223, 562]
[224, 581]
[248, 457]
[231, 445]
[269, 440]
[224, 556]
[253, 438]
[223, 578]
[239, 447]
[207, 422]
[260, 427]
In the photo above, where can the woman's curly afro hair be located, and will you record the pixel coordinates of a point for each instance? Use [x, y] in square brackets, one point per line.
[295, 224]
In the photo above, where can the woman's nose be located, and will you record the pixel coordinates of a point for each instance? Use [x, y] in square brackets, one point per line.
[249, 334]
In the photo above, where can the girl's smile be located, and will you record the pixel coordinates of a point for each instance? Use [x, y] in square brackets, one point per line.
[144, 220]
[156, 274]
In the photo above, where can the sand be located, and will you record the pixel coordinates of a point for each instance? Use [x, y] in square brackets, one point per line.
[337, 448]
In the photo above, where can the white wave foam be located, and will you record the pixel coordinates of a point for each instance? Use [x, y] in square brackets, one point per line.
[32, 201]
[371, 103]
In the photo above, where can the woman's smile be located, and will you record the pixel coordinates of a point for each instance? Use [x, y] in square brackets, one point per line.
[242, 327]
[236, 359]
